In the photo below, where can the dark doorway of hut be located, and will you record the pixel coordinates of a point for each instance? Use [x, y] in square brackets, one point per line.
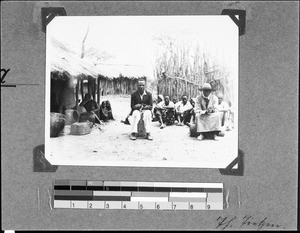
[89, 85]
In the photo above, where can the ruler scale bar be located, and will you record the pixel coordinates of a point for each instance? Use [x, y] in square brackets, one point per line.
[150, 199]
[131, 205]
[95, 188]
[81, 194]
[187, 199]
[198, 195]
[111, 193]
[73, 193]
[62, 187]
[111, 198]
[130, 188]
[149, 194]
[62, 182]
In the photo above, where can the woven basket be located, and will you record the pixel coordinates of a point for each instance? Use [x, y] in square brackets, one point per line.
[80, 128]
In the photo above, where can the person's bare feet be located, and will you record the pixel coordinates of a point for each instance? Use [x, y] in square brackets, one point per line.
[215, 137]
[200, 137]
[132, 136]
[149, 137]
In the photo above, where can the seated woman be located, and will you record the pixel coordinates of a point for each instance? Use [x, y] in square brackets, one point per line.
[110, 114]
[106, 111]
[208, 120]
[103, 112]
[165, 112]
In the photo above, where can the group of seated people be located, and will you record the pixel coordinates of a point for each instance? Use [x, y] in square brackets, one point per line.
[206, 115]
[168, 112]
[88, 109]
[103, 112]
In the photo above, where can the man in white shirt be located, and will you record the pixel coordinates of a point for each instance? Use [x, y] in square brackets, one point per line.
[223, 108]
[182, 111]
[165, 112]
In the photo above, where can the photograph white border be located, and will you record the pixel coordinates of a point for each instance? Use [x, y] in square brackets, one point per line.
[131, 163]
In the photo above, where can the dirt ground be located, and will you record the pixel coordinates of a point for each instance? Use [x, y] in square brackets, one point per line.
[172, 146]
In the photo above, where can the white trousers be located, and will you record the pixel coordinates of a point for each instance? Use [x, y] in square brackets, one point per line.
[136, 116]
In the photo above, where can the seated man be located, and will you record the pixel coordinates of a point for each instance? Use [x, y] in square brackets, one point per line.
[174, 100]
[223, 108]
[141, 106]
[165, 112]
[183, 109]
[191, 112]
[208, 121]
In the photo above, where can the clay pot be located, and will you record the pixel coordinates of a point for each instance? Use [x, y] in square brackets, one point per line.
[87, 116]
[83, 117]
[71, 116]
[80, 110]
[57, 124]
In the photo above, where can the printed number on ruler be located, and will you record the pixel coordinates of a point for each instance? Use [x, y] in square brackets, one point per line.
[158, 206]
[174, 206]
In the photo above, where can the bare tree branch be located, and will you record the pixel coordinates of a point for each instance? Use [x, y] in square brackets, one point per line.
[82, 45]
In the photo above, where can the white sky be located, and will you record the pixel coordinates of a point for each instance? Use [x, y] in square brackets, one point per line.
[129, 38]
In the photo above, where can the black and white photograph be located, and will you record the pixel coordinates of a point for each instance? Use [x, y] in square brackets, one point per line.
[142, 91]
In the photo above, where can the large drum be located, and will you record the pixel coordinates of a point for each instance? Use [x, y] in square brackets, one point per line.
[57, 124]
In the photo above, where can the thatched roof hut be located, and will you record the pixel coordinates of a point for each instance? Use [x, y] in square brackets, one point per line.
[63, 59]
[84, 75]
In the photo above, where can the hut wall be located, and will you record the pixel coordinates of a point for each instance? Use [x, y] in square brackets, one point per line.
[57, 86]
[65, 93]
[68, 97]
[117, 86]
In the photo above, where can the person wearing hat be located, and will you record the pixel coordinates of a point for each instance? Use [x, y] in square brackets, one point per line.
[141, 107]
[208, 121]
